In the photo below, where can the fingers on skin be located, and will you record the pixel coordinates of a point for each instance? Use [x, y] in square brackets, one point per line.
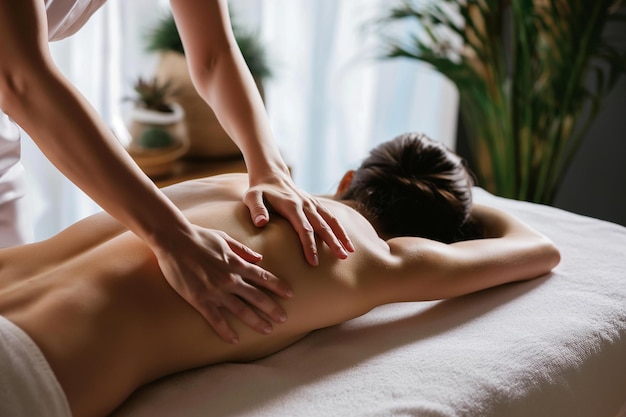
[263, 302]
[337, 229]
[307, 237]
[258, 211]
[247, 291]
[239, 302]
[266, 279]
[254, 273]
[214, 316]
[294, 213]
[325, 232]
[242, 250]
[308, 217]
[321, 221]
[257, 298]
[243, 272]
[242, 311]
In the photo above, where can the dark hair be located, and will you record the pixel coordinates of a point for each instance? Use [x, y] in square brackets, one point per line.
[414, 186]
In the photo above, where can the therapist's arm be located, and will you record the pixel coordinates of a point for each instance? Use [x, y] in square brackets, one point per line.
[206, 267]
[224, 81]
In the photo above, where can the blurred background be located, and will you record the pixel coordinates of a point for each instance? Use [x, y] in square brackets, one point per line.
[331, 97]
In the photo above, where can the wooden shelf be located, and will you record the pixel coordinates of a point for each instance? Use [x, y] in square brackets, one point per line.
[192, 168]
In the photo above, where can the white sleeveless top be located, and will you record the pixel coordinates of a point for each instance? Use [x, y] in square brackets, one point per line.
[65, 17]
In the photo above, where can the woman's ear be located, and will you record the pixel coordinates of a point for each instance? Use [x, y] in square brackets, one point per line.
[344, 183]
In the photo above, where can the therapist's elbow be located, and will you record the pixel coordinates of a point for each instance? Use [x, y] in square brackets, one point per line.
[19, 84]
[12, 87]
[204, 68]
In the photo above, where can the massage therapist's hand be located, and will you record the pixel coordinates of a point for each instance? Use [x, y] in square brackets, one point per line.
[306, 214]
[214, 272]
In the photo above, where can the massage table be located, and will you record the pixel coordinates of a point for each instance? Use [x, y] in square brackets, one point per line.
[554, 346]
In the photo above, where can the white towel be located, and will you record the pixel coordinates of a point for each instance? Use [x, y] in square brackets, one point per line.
[28, 387]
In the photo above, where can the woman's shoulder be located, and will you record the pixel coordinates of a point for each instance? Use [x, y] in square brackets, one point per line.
[364, 236]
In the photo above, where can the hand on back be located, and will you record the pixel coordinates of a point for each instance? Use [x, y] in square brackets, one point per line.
[307, 214]
[215, 273]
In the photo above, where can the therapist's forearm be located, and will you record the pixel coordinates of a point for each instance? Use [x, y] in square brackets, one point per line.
[227, 85]
[82, 147]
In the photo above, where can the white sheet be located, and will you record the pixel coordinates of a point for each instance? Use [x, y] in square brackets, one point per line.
[28, 387]
[555, 346]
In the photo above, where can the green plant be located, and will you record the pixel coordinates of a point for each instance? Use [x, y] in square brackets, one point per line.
[164, 36]
[153, 95]
[522, 69]
[155, 138]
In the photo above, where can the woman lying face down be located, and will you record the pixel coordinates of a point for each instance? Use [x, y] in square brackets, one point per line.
[93, 300]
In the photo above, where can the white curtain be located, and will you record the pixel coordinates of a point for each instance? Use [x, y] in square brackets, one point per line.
[329, 101]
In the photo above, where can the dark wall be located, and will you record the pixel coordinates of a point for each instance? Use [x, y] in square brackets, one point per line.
[595, 183]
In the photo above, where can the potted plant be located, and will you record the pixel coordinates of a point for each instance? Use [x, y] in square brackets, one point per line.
[522, 70]
[207, 138]
[156, 126]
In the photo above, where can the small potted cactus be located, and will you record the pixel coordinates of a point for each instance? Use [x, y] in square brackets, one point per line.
[157, 127]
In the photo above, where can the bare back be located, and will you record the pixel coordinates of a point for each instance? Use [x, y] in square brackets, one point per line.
[95, 302]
